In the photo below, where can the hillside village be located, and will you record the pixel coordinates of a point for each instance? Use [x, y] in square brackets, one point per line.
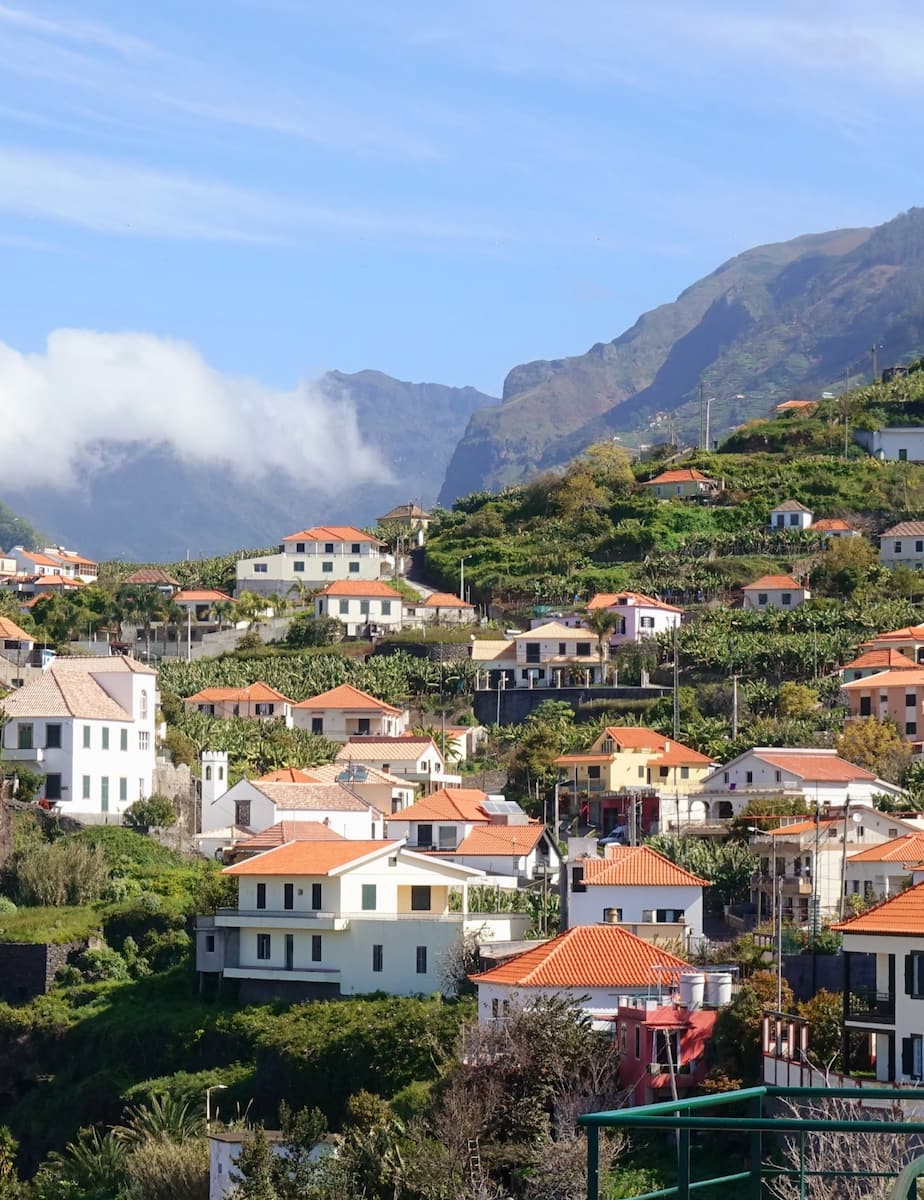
[624, 764]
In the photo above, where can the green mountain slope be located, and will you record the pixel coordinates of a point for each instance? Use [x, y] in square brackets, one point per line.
[17, 531]
[773, 322]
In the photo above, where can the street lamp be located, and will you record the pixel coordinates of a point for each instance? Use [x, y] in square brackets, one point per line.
[216, 1087]
[705, 415]
[462, 576]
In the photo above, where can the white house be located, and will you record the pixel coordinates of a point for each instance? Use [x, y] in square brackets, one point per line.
[364, 607]
[439, 608]
[345, 712]
[893, 443]
[441, 820]
[312, 558]
[819, 777]
[255, 805]
[890, 939]
[833, 527]
[635, 887]
[551, 655]
[594, 966]
[413, 758]
[320, 919]
[903, 545]
[879, 871]
[257, 702]
[87, 725]
[641, 616]
[790, 516]
[775, 591]
[682, 483]
[384, 791]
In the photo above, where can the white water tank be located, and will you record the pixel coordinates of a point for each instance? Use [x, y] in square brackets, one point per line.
[718, 988]
[692, 986]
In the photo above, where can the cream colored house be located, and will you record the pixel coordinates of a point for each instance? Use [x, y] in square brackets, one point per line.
[257, 702]
[345, 712]
[775, 591]
[311, 559]
[439, 608]
[417, 759]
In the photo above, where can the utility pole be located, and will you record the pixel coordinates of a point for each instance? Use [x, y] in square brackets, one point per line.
[734, 679]
[702, 414]
[706, 439]
[874, 350]
[676, 685]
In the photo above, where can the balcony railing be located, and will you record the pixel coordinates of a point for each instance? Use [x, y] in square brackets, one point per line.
[867, 1005]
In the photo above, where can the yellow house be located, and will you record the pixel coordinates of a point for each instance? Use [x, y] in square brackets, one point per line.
[626, 761]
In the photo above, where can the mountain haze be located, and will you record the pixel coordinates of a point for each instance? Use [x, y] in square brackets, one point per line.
[145, 503]
[772, 323]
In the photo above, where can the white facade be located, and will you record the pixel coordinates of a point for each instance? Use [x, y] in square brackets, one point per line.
[893, 444]
[764, 594]
[876, 880]
[790, 517]
[313, 558]
[224, 1151]
[636, 905]
[417, 759]
[641, 616]
[903, 545]
[88, 725]
[497, 1000]
[376, 607]
[257, 806]
[341, 724]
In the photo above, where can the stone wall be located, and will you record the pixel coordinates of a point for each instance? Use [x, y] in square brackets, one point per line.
[28, 969]
[178, 784]
[517, 703]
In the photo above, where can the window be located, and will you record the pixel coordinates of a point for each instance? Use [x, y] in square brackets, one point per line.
[910, 700]
[420, 897]
[532, 652]
[424, 835]
[241, 812]
[612, 914]
[354, 568]
[421, 960]
[919, 547]
[897, 547]
[777, 776]
[52, 787]
[593, 772]
[85, 788]
[377, 958]
[143, 704]
[259, 568]
[316, 901]
[749, 777]
[386, 608]
[865, 706]
[104, 793]
[786, 599]
[902, 455]
[105, 736]
[288, 895]
[363, 726]
[582, 649]
[761, 598]
[52, 737]
[726, 777]
[123, 739]
[315, 947]
[208, 774]
[638, 1041]
[663, 772]
[646, 622]
[344, 607]
[123, 789]
[369, 898]
[354, 548]
[261, 895]
[299, 565]
[299, 547]
[913, 1056]
[144, 740]
[364, 607]
[210, 943]
[265, 709]
[562, 648]
[914, 974]
[141, 789]
[447, 837]
[684, 772]
[327, 568]
[264, 946]
[329, 548]
[911, 727]
[317, 724]
[86, 737]
[24, 736]
[794, 518]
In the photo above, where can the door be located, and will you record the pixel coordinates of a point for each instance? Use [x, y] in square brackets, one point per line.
[290, 951]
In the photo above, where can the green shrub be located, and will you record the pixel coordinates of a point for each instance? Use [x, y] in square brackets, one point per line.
[102, 964]
[66, 872]
[7, 907]
[155, 812]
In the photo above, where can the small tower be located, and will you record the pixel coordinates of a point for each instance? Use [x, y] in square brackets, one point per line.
[214, 765]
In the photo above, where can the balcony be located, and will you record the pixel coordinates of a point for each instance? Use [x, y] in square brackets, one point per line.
[28, 754]
[261, 918]
[793, 885]
[261, 971]
[871, 1007]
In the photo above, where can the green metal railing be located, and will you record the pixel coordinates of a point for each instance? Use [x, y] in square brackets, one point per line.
[687, 1116]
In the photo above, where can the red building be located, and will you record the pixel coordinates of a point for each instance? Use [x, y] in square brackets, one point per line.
[657, 1041]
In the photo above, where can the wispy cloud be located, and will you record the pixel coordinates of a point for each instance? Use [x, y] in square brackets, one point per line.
[72, 30]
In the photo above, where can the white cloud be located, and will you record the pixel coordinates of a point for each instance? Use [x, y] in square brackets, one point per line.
[134, 388]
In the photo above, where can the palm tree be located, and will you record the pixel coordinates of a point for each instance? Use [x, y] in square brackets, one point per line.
[224, 611]
[93, 1162]
[603, 622]
[163, 1118]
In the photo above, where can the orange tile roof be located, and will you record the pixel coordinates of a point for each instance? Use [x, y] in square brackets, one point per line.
[907, 633]
[896, 677]
[830, 524]
[770, 582]
[386, 749]
[637, 866]
[11, 631]
[820, 764]
[309, 858]
[790, 404]
[682, 475]
[448, 804]
[904, 529]
[151, 575]
[58, 581]
[901, 915]
[255, 693]
[909, 849]
[287, 775]
[200, 596]
[347, 696]
[312, 797]
[883, 659]
[43, 560]
[486, 840]
[680, 756]
[445, 600]
[797, 828]
[628, 599]
[587, 956]
[359, 587]
[330, 533]
[287, 831]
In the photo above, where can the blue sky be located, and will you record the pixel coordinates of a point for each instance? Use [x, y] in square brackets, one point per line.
[436, 191]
